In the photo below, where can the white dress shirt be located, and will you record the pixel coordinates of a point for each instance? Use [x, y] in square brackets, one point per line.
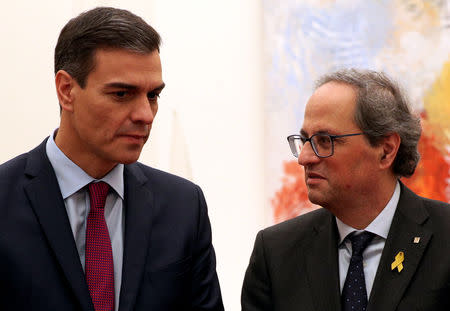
[371, 256]
[72, 181]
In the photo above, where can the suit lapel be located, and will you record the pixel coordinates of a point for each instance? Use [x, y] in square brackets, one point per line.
[390, 285]
[46, 200]
[322, 266]
[138, 217]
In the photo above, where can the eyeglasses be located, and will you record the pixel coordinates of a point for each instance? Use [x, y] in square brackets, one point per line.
[322, 144]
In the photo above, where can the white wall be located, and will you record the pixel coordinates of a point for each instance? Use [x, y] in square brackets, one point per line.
[213, 102]
[29, 108]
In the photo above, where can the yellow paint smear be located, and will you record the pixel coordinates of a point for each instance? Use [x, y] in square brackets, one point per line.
[437, 108]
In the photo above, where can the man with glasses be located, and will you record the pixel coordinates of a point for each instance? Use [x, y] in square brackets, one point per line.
[375, 245]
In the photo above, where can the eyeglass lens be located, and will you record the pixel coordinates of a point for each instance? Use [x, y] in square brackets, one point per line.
[321, 144]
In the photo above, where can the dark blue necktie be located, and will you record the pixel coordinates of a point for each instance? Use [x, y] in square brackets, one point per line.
[354, 294]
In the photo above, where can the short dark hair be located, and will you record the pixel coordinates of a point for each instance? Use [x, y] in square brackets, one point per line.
[102, 27]
[383, 108]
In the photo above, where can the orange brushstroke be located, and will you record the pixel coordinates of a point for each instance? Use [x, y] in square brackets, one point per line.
[429, 179]
[292, 199]
[436, 117]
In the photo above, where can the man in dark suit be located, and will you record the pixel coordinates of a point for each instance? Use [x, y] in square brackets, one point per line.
[374, 245]
[83, 226]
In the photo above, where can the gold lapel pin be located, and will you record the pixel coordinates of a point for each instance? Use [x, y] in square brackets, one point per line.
[417, 240]
[398, 262]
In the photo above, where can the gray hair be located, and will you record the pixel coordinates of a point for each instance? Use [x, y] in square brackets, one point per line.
[382, 108]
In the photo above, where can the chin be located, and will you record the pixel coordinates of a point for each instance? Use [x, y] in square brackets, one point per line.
[316, 198]
[128, 159]
[126, 155]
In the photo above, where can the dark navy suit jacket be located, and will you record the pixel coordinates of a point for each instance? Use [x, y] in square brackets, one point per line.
[168, 262]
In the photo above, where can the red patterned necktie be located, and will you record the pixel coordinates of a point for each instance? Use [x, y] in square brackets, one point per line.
[99, 266]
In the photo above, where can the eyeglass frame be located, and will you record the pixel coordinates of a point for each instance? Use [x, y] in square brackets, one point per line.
[313, 146]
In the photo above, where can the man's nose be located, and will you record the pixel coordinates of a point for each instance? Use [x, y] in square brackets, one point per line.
[144, 111]
[307, 155]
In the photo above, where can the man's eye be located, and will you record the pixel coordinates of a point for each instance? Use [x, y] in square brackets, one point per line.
[120, 93]
[153, 95]
[322, 139]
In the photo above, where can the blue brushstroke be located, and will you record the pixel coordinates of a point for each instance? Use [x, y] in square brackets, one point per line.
[329, 38]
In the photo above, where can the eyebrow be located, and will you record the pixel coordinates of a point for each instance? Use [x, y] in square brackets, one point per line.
[121, 85]
[305, 134]
[159, 88]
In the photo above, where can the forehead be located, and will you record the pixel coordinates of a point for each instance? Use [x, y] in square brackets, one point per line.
[119, 65]
[331, 109]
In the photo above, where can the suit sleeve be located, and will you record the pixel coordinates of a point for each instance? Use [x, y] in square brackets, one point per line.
[205, 293]
[256, 291]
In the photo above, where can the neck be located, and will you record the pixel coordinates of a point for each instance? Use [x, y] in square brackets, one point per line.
[66, 141]
[361, 211]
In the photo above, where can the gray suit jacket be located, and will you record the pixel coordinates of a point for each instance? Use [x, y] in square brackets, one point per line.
[294, 265]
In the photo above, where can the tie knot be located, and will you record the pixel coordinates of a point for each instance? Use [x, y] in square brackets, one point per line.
[360, 242]
[97, 193]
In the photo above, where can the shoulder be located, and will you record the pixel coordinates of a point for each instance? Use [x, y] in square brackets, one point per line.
[301, 223]
[151, 172]
[435, 204]
[158, 178]
[13, 166]
[439, 213]
[297, 229]
[29, 163]
[170, 195]
[17, 172]
[432, 214]
[164, 185]
[411, 202]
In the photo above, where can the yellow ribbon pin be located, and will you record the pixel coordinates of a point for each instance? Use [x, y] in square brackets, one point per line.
[399, 258]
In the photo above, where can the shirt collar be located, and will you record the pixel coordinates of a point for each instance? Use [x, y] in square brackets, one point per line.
[72, 178]
[380, 225]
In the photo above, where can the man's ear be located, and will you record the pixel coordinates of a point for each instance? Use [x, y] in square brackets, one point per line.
[389, 148]
[64, 86]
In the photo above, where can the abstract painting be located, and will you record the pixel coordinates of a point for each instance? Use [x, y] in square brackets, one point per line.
[407, 39]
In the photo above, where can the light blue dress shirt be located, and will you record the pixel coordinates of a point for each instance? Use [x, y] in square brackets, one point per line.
[72, 182]
[372, 254]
